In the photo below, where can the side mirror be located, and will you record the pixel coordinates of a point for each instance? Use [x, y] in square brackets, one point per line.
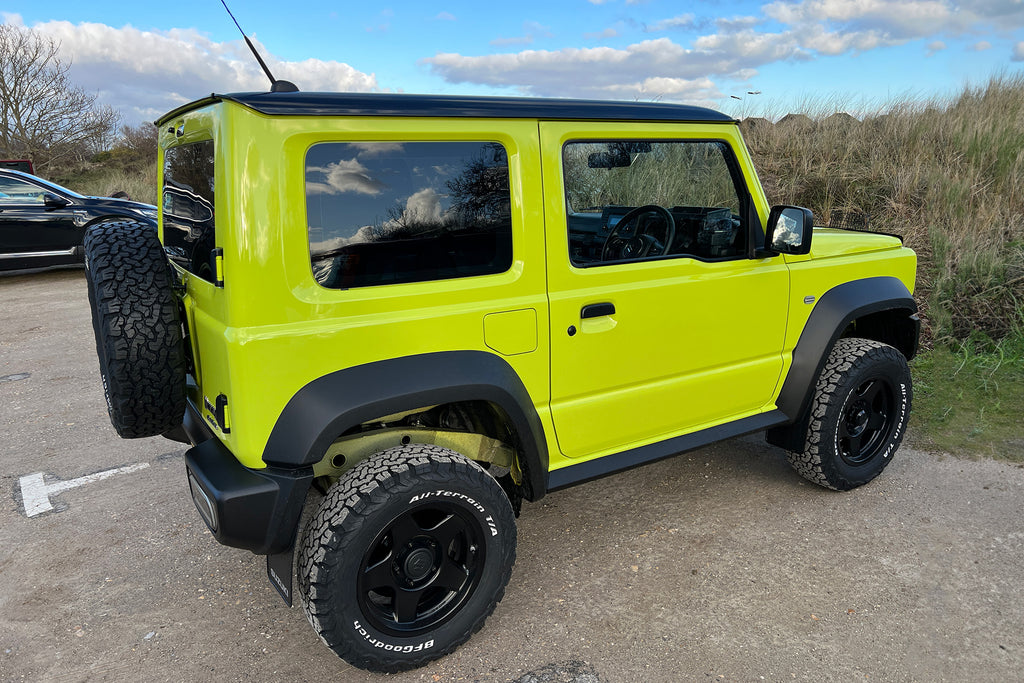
[52, 201]
[789, 230]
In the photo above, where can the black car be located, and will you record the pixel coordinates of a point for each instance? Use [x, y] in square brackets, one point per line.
[42, 224]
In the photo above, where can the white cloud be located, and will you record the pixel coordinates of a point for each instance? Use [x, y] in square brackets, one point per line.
[907, 20]
[147, 73]
[653, 68]
[981, 46]
[422, 207]
[1018, 52]
[346, 175]
[681, 21]
[445, 16]
[803, 30]
[738, 23]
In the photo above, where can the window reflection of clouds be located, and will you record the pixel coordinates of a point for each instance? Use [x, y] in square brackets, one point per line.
[352, 188]
[404, 212]
[344, 175]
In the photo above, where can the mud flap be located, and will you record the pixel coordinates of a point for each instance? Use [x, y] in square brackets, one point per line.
[279, 571]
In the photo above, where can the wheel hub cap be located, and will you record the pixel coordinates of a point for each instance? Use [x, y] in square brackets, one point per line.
[418, 564]
[858, 421]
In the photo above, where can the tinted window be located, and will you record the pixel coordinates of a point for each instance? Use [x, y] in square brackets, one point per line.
[15, 191]
[389, 212]
[188, 207]
[637, 200]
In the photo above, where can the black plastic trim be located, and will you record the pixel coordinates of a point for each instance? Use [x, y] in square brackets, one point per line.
[329, 406]
[597, 310]
[609, 464]
[256, 510]
[394, 104]
[836, 309]
[194, 425]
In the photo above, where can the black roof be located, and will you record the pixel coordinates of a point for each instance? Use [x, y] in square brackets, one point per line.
[389, 104]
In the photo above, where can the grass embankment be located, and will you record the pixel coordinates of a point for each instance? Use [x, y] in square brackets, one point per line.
[949, 177]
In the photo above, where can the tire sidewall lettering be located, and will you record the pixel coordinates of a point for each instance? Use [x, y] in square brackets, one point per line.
[377, 642]
[446, 495]
[897, 432]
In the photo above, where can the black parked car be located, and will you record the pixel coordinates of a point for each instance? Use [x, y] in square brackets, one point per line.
[42, 224]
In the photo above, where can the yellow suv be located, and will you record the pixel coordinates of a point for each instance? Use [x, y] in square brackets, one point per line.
[429, 309]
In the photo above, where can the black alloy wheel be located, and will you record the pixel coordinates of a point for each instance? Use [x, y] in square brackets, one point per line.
[868, 420]
[421, 569]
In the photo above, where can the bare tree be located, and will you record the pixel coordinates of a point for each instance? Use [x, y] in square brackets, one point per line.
[140, 140]
[43, 116]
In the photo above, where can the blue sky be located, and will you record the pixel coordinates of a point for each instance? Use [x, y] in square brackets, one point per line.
[145, 58]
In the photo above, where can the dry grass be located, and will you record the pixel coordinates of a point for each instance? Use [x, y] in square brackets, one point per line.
[140, 186]
[946, 175]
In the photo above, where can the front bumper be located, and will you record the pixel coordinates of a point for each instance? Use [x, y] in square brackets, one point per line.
[257, 510]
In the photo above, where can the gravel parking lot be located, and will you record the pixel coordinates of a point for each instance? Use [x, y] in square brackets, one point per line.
[720, 564]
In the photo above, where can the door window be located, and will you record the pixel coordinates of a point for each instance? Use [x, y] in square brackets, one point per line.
[14, 191]
[633, 200]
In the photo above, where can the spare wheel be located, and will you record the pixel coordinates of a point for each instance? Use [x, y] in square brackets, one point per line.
[138, 331]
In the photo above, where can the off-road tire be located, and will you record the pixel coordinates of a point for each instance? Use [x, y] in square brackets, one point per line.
[138, 332]
[366, 512]
[858, 415]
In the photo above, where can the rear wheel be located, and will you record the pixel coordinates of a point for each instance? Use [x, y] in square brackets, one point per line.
[406, 557]
[859, 415]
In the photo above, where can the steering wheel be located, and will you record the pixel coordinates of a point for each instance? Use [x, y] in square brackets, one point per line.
[641, 244]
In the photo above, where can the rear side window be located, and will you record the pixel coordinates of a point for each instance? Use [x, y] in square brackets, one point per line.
[188, 207]
[391, 212]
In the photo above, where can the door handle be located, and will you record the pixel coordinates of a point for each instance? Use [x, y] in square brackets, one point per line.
[597, 310]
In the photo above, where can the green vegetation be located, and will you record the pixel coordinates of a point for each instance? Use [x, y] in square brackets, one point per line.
[128, 166]
[968, 399]
[949, 177]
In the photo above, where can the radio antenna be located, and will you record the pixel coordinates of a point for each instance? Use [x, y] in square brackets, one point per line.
[275, 85]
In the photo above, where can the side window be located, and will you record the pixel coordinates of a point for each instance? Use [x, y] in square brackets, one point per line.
[189, 229]
[13, 191]
[640, 200]
[389, 212]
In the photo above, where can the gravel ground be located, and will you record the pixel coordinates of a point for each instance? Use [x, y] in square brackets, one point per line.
[719, 564]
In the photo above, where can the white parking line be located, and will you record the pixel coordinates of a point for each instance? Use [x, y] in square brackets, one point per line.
[35, 492]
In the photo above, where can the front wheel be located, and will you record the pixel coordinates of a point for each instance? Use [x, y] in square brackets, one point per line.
[406, 557]
[859, 415]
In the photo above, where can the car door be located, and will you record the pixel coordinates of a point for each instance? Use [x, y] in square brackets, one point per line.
[654, 334]
[28, 226]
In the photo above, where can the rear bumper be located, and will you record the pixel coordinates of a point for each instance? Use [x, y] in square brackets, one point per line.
[257, 510]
